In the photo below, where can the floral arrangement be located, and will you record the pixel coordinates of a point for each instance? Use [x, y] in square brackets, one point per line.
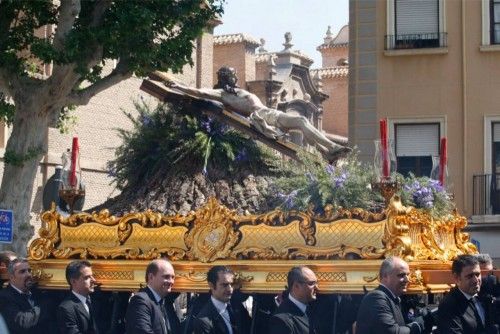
[174, 138]
[427, 194]
[347, 184]
[314, 181]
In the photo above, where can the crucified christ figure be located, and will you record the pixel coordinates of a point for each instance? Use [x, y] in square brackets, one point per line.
[270, 122]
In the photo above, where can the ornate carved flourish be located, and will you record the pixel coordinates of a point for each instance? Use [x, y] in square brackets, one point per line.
[193, 276]
[39, 275]
[213, 232]
[212, 235]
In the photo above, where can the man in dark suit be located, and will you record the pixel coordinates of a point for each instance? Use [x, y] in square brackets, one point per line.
[147, 311]
[218, 316]
[23, 312]
[76, 314]
[380, 309]
[461, 311]
[292, 315]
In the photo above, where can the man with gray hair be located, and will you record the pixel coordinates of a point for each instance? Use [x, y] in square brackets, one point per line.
[485, 262]
[380, 310]
[22, 312]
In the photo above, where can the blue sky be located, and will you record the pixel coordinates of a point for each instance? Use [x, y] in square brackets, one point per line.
[307, 20]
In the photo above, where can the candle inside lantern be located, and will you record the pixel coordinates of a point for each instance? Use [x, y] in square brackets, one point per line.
[74, 157]
[443, 160]
[385, 151]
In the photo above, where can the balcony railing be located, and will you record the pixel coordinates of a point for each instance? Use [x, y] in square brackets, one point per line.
[486, 194]
[416, 41]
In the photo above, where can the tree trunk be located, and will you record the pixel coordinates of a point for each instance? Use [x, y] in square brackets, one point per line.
[28, 142]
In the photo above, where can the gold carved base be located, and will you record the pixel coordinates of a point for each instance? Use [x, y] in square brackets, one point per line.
[344, 247]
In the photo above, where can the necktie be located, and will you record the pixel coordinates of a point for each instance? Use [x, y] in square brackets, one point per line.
[479, 318]
[29, 298]
[309, 315]
[92, 324]
[232, 318]
[165, 314]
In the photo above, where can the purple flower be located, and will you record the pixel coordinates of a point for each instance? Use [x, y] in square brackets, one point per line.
[242, 155]
[423, 197]
[210, 126]
[146, 120]
[339, 181]
[330, 169]
[288, 199]
[206, 125]
[436, 185]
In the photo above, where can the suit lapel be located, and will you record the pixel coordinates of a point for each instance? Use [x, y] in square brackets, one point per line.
[217, 319]
[396, 308]
[80, 308]
[157, 309]
[298, 315]
[18, 297]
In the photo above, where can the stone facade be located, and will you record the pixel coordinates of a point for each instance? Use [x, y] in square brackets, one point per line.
[450, 79]
[334, 74]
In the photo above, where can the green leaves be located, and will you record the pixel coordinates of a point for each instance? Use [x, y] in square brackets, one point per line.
[314, 181]
[177, 139]
[7, 110]
[146, 35]
[16, 159]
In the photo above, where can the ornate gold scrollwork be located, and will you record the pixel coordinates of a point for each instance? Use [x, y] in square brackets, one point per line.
[416, 278]
[216, 232]
[38, 274]
[240, 277]
[212, 235]
[370, 279]
[193, 276]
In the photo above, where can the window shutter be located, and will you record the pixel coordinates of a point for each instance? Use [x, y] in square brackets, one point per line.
[417, 140]
[417, 17]
[496, 132]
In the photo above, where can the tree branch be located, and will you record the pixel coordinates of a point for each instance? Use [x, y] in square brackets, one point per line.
[98, 12]
[83, 97]
[68, 13]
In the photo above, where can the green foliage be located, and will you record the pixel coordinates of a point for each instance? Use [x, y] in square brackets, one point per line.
[66, 120]
[314, 181]
[172, 137]
[7, 110]
[144, 35]
[15, 159]
[347, 184]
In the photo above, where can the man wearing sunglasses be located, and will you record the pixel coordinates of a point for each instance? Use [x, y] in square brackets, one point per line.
[293, 316]
[380, 310]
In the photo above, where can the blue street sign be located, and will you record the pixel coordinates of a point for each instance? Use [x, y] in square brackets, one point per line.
[6, 225]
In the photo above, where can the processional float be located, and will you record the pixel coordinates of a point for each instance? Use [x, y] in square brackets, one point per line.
[344, 247]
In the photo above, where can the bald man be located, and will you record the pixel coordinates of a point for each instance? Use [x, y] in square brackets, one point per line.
[148, 310]
[380, 310]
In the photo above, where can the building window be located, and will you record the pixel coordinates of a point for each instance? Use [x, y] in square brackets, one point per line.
[495, 21]
[491, 22]
[415, 145]
[415, 24]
